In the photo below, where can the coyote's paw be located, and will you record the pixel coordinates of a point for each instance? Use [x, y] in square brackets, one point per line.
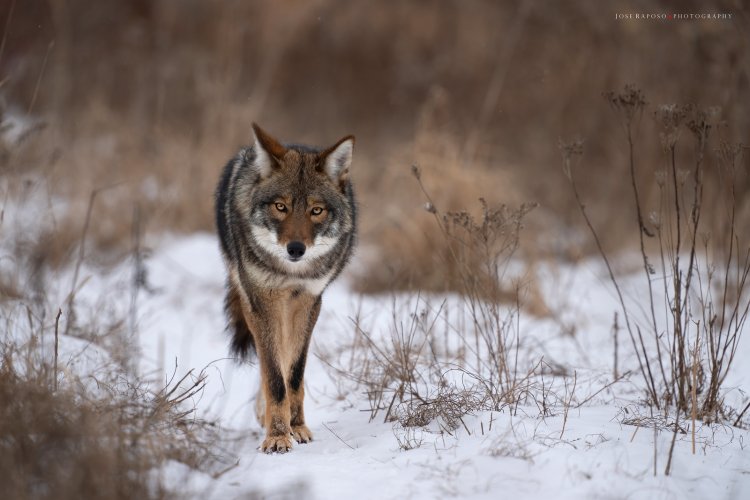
[301, 433]
[280, 444]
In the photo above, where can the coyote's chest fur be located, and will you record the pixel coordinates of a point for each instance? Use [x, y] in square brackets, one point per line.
[264, 278]
[286, 219]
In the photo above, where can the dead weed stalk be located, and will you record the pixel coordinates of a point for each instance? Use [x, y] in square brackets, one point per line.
[464, 355]
[695, 261]
[91, 437]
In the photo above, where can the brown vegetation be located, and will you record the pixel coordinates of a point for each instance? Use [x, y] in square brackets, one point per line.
[696, 264]
[92, 437]
[153, 97]
[142, 102]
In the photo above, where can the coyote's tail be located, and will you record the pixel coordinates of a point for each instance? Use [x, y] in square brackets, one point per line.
[243, 344]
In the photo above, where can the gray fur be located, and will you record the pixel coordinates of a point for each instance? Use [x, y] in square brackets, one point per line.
[242, 199]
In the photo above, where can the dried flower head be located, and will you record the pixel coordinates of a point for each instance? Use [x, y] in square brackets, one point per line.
[669, 118]
[416, 172]
[569, 150]
[629, 102]
[730, 154]
[700, 121]
[498, 223]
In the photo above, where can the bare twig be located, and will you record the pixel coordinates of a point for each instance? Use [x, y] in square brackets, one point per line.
[337, 436]
[7, 28]
[39, 79]
[615, 331]
[566, 406]
[668, 468]
[79, 261]
[57, 342]
[742, 414]
[576, 149]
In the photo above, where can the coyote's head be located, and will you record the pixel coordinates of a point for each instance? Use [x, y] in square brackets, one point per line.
[301, 205]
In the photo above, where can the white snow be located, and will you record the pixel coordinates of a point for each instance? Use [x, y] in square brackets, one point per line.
[520, 454]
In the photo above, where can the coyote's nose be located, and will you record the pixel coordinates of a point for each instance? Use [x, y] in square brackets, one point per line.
[295, 249]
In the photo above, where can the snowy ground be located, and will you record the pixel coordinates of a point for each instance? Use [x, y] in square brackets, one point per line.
[519, 454]
[523, 455]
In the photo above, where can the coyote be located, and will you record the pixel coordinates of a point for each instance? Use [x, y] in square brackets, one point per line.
[286, 219]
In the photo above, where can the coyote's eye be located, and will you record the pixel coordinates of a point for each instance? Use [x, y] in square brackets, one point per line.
[316, 211]
[280, 207]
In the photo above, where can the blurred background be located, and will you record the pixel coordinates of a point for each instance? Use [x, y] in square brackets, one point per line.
[146, 100]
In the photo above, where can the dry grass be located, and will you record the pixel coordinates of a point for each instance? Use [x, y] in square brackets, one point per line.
[88, 427]
[144, 101]
[695, 261]
[412, 251]
[94, 438]
[438, 363]
[154, 97]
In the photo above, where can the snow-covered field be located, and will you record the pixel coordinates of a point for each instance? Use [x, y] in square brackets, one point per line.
[522, 453]
[576, 443]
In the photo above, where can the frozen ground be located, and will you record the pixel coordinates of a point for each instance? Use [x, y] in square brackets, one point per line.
[518, 454]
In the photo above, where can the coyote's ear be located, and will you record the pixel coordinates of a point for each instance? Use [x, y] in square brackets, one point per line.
[337, 158]
[268, 151]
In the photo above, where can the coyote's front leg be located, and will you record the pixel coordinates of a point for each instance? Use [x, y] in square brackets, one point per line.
[304, 322]
[297, 399]
[277, 417]
[272, 405]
